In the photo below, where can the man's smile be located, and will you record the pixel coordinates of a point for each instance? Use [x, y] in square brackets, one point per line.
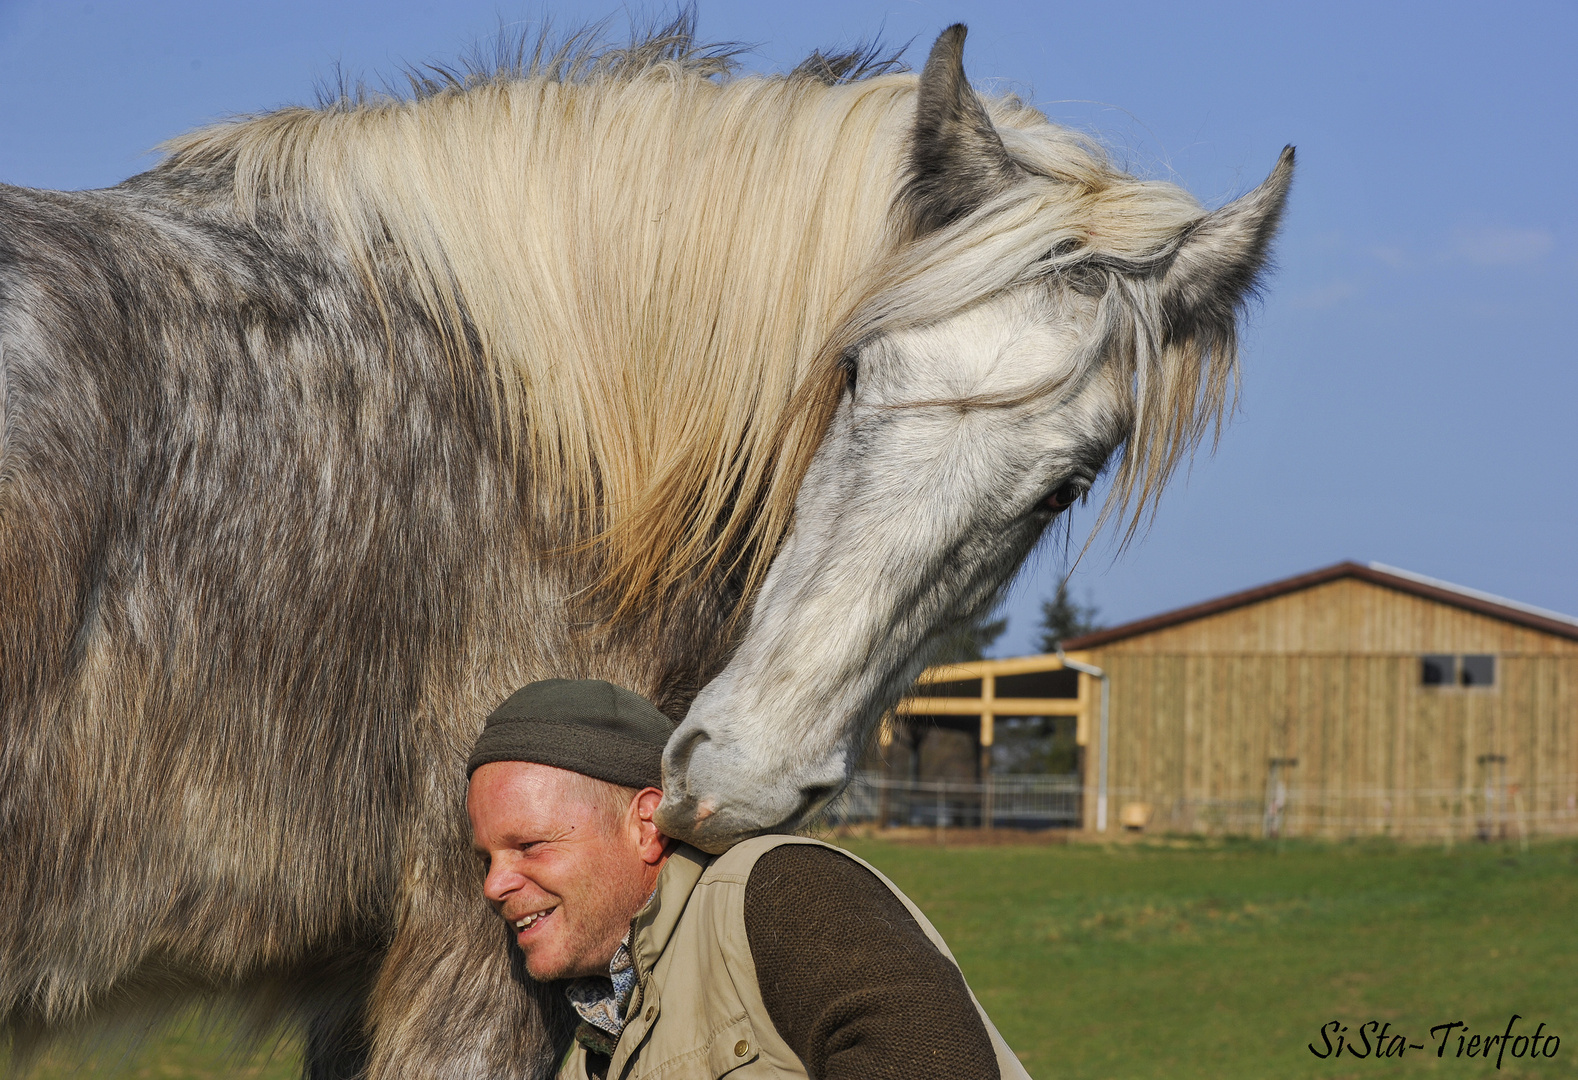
[526, 922]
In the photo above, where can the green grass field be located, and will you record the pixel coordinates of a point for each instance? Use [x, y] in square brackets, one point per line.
[1224, 960]
[1188, 958]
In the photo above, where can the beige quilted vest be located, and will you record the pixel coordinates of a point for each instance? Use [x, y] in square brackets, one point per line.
[697, 1011]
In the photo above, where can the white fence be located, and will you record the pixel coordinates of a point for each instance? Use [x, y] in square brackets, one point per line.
[1009, 801]
[1049, 802]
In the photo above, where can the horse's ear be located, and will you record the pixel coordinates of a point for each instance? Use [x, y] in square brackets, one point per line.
[957, 161]
[1221, 256]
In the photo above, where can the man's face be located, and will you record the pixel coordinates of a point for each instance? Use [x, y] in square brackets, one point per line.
[564, 869]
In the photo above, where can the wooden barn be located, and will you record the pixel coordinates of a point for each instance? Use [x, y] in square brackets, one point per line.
[1357, 699]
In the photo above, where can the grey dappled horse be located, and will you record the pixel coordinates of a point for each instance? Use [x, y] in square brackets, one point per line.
[340, 424]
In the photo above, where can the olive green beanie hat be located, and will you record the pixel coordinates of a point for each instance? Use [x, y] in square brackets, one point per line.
[584, 725]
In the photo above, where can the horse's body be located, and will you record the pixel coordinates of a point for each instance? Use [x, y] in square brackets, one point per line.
[339, 425]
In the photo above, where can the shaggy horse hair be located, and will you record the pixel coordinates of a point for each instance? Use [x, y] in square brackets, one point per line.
[340, 424]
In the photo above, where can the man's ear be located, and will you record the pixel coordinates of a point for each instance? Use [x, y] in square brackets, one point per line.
[651, 844]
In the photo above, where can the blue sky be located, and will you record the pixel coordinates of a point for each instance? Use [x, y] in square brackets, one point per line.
[1411, 379]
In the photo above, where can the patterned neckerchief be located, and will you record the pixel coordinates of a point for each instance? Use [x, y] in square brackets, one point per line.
[601, 1002]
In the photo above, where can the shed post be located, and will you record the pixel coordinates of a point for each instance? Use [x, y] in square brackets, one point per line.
[988, 736]
[1101, 775]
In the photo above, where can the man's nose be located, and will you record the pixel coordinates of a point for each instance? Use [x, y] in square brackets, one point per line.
[500, 882]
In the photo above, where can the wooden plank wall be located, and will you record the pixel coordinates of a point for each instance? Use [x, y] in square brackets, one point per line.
[1193, 734]
[1349, 617]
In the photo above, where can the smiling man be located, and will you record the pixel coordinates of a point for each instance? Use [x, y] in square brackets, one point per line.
[783, 957]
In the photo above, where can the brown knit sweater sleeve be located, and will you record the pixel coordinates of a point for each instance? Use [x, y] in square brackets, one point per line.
[851, 981]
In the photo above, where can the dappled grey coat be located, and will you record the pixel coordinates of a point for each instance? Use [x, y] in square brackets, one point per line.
[326, 434]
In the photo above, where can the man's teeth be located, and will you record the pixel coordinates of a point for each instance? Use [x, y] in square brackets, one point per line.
[521, 924]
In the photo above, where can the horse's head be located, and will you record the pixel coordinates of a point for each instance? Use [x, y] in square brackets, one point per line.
[1043, 319]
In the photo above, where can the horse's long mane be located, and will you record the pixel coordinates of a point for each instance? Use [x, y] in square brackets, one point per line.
[662, 262]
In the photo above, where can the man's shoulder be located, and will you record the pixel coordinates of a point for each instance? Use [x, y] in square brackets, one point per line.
[807, 865]
[798, 865]
[814, 898]
[741, 860]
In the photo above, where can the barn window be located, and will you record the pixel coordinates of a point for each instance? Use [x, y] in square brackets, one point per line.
[1478, 671]
[1443, 670]
[1438, 671]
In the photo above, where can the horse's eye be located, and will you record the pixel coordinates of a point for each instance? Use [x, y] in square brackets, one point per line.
[1065, 495]
[850, 365]
[1086, 280]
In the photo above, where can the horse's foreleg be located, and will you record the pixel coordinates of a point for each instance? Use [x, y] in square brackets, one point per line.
[337, 1044]
[452, 1000]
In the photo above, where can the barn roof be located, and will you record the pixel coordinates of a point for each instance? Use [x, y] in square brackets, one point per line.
[1551, 622]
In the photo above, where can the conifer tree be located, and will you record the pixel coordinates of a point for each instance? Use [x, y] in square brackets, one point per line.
[1062, 618]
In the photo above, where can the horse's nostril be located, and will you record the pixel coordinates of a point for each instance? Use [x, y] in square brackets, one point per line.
[676, 757]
